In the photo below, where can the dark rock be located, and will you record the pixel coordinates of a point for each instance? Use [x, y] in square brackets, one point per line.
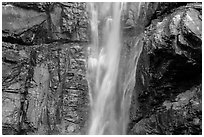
[173, 65]
[182, 116]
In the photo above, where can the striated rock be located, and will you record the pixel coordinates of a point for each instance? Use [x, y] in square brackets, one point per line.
[52, 78]
[44, 71]
[36, 23]
[38, 103]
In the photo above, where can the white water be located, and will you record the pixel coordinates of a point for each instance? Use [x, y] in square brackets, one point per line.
[110, 94]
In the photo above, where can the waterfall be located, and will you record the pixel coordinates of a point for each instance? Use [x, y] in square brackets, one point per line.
[109, 96]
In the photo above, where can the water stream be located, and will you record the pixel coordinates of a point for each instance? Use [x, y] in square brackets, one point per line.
[110, 86]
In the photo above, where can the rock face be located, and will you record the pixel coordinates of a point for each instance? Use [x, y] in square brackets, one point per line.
[44, 86]
[56, 96]
[36, 23]
[169, 74]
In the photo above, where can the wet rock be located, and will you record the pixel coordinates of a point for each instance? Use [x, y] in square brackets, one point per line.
[172, 30]
[165, 8]
[192, 23]
[181, 116]
[173, 65]
[138, 14]
[192, 33]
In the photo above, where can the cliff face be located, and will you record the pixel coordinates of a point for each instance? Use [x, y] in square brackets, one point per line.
[169, 75]
[44, 86]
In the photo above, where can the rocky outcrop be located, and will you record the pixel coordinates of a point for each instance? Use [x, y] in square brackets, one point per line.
[169, 67]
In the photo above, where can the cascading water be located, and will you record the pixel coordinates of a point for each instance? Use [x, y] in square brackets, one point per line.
[109, 96]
